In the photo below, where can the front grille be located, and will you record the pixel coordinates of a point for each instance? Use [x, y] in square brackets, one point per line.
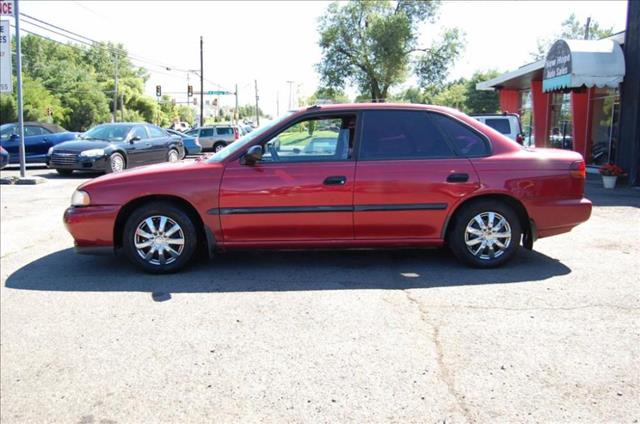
[64, 159]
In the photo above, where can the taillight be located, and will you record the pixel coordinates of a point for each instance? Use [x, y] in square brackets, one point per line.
[235, 133]
[520, 139]
[578, 169]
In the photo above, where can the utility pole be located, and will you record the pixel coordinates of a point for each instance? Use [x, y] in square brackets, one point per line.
[236, 114]
[586, 28]
[277, 103]
[122, 107]
[257, 108]
[115, 91]
[23, 167]
[201, 85]
[290, 93]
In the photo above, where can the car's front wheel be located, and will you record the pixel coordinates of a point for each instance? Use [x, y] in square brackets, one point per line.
[485, 234]
[160, 238]
[116, 163]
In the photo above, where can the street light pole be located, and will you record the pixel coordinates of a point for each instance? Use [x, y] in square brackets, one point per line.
[115, 91]
[201, 85]
[290, 93]
[257, 108]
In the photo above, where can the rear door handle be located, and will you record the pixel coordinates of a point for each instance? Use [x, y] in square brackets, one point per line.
[335, 180]
[458, 178]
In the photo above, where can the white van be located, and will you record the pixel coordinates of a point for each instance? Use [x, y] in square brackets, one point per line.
[505, 123]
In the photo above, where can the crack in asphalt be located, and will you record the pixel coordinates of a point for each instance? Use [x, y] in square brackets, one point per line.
[445, 374]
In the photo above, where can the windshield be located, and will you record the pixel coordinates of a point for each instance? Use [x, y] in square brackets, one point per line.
[107, 132]
[245, 140]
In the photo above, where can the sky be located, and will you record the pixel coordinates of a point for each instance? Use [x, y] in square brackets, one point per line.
[276, 42]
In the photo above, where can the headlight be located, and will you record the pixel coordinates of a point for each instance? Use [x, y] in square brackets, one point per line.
[50, 151]
[80, 198]
[93, 153]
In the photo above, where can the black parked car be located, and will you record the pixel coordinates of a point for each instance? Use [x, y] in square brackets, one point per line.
[115, 147]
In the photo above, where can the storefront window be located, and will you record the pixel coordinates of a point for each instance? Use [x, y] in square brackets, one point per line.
[526, 118]
[605, 107]
[560, 135]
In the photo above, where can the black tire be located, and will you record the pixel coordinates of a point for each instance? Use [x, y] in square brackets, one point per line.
[155, 210]
[219, 146]
[458, 237]
[64, 172]
[115, 156]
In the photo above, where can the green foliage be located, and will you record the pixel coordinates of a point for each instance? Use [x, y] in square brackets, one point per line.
[331, 95]
[571, 29]
[460, 94]
[77, 82]
[373, 44]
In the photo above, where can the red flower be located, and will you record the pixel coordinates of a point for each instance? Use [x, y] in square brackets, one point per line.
[611, 170]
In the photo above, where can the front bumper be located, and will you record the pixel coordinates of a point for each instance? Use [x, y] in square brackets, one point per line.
[77, 163]
[91, 227]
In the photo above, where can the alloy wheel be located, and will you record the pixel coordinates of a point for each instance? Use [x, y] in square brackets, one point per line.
[173, 156]
[117, 163]
[487, 235]
[159, 240]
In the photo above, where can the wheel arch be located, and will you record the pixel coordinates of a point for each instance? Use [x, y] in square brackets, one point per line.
[527, 225]
[126, 210]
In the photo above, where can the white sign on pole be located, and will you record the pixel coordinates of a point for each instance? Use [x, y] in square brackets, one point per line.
[6, 84]
[7, 8]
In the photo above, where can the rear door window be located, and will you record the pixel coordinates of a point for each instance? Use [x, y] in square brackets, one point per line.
[206, 132]
[499, 124]
[466, 141]
[224, 131]
[399, 134]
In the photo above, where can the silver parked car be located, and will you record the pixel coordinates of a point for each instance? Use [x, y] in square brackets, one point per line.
[216, 137]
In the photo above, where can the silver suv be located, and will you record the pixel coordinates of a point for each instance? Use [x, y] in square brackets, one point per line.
[215, 137]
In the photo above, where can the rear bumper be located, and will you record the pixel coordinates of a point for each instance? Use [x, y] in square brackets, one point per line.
[560, 216]
[91, 227]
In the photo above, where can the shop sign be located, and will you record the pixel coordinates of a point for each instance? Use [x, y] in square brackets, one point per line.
[557, 66]
[5, 58]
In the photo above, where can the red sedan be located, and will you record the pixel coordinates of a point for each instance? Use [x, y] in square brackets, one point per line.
[340, 176]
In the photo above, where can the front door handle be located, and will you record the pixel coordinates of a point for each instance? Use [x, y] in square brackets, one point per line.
[458, 178]
[335, 180]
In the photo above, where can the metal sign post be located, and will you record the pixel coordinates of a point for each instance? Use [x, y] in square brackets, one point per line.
[16, 15]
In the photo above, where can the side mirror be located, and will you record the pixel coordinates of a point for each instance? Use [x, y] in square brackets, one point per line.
[14, 137]
[253, 155]
[134, 139]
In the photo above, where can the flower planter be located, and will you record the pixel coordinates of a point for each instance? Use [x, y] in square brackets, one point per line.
[609, 181]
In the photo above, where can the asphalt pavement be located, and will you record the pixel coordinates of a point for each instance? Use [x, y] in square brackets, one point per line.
[358, 336]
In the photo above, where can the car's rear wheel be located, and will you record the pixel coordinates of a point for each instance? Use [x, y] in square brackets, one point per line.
[160, 238]
[219, 146]
[485, 234]
[116, 163]
[65, 172]
[173, 156]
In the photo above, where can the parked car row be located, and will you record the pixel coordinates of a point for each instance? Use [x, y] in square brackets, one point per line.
[39, 137]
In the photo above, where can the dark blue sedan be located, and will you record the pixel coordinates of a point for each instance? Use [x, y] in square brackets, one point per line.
[191, 144]
[39, 137]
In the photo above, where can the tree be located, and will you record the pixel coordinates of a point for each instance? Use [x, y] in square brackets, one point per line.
[323, 94]
[571, 29]
[478, 101]
[8, 109]
[373, 44]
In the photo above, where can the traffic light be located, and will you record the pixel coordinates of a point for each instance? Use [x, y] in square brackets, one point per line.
[158, 91]
[189, 90]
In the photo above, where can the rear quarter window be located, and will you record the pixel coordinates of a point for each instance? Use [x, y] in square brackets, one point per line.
[466, 141]
[224, 131]
[501, 125]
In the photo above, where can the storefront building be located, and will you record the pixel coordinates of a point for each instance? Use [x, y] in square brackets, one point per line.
[573, 99]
